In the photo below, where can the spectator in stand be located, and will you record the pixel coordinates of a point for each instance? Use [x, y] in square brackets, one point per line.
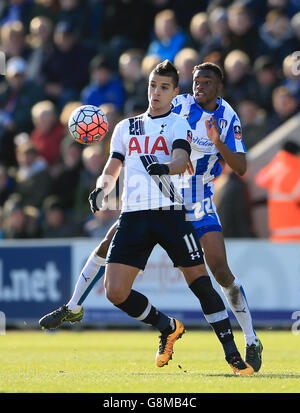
[130, 69]
[199, 31]
[64, 75]
[257, 8]
[291, 72]
[254, 120]
[293, 76]
[104, 86]
[214, 57]
[290, 7]
[218, 22]
[185, 60]
[239, 81]
[20, 221]
[233, 204]
[16, 10]
[17, 96]
[212, 4]
[13, 40]
[267, 79]
[126, 24]
[47, 8]
[40, 41]
[67, 172]
[184, 11]
[66, 112]
[33, 181]
[243, 33]
[6, 184]
[77, 14]
[219, 40]
[48, 132]
[170, 39]
[93, 160]
[114, 116]
[56, 223]
[285, 105]
[295, 24]
[276, 37]
[148, 64]
[281, 179]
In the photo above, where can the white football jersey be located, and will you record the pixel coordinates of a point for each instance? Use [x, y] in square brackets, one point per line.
[140, 141]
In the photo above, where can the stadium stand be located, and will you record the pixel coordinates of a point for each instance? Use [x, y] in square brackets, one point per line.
[60, 51]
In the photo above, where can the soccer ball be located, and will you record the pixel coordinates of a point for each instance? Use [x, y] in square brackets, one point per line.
[87, 124]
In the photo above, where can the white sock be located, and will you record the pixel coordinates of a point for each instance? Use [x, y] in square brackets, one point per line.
[237, 301]
[89, 275]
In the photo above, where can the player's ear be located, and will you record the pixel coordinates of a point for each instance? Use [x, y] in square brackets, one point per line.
[176, 91]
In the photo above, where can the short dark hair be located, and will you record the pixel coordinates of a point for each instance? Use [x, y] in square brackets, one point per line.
[166, 68]
[210, 66]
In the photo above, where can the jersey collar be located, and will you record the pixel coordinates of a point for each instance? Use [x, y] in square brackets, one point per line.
[159, 116]
[219, 103]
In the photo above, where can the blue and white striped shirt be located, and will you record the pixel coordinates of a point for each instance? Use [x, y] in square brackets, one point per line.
[205, 156]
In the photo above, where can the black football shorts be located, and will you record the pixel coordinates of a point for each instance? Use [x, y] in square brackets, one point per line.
[139, 231]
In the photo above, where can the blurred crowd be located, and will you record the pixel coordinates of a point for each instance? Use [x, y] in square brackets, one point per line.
[64, 53]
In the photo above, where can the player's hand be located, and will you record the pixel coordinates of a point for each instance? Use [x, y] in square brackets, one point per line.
[156, 168]
[96, 199]
[212, 130]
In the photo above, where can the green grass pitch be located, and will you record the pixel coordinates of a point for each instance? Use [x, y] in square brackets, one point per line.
[124, 362]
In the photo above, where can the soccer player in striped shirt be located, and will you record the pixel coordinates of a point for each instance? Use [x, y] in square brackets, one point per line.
[216, 134]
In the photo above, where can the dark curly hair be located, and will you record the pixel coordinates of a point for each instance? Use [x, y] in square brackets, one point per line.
[210, 66]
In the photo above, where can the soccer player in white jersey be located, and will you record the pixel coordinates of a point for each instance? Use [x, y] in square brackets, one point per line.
[216, 134]
[152, 147]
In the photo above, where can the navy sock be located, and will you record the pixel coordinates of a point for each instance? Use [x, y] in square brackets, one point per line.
[215, 312]
[137, 306]
[224, 333]
[210, 300]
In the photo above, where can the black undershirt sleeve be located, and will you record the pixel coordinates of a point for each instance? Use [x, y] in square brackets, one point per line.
[182, 144]
[117, 155]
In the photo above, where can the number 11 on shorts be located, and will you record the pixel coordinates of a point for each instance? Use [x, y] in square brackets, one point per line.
[191, 246]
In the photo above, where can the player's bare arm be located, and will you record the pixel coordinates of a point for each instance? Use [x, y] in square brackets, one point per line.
[237, 161]
[179, 162]
[105, 183]
[107, 180]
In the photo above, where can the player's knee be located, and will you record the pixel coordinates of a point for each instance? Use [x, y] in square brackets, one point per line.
[114, 293]
[103, 248]
[193, 273]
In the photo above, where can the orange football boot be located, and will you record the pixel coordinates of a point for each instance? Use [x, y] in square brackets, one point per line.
[239, 366]
[167, 341]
